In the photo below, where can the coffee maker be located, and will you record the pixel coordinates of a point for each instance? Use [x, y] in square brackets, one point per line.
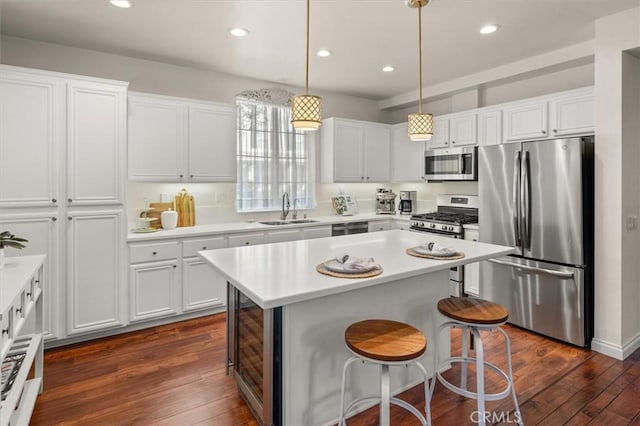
[408, 202]
[385, 201]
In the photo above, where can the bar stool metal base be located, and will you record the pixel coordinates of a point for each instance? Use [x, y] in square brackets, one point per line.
[480, 364]
[385, 397]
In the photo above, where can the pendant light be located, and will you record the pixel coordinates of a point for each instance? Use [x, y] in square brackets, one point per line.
[306, 110]
[420, 124]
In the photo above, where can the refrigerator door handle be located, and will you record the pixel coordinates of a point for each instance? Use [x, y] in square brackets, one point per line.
[516, 196]
[559, 274]
[525, 195]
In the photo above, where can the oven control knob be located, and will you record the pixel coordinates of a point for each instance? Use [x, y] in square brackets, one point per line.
[433, 225]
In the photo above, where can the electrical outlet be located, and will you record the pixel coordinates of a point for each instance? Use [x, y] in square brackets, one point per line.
[632, 223]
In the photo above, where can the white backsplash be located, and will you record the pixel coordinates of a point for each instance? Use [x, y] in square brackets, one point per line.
[215, 202]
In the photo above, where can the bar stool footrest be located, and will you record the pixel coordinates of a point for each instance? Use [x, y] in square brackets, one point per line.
[467, 393]
[396, 401]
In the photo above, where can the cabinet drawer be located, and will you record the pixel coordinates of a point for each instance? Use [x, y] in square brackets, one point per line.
[190, 248]
[6, 330]
[151, 252]
[246, 240]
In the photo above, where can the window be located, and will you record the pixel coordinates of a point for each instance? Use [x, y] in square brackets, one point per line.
[272, 158]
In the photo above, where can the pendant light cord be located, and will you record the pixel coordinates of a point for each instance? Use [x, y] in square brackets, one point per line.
[306, 83]
[420, 57]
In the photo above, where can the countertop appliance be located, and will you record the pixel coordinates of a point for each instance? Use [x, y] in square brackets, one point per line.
[538, 197]
[408, 202]
[452, 212]
[455, 164]
[385, 201]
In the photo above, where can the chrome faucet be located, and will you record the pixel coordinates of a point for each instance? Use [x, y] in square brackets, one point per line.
[294, 215]
[285, 206]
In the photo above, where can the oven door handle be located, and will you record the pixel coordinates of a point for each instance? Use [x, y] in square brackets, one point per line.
[559, 274]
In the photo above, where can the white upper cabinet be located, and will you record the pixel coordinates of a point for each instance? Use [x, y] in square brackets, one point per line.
[525, 121]
[573, 113]
[181, 140]
[407, 156]
[31, 139]
[156, 138]
[355, 151]
[489, 127]
[96, 143]
[212, 143]
[450, 131]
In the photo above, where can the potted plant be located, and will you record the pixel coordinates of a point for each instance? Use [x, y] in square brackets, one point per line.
[7, 239]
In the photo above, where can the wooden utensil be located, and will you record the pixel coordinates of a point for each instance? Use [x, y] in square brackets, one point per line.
[185, 206]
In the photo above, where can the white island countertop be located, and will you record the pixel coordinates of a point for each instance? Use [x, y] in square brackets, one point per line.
[280, 274]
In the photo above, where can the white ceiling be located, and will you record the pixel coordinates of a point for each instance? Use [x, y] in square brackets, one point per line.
[364, 35]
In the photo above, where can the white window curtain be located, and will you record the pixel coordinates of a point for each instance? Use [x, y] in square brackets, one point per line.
[272, 157]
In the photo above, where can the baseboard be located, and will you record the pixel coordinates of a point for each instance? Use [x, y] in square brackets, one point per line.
[616, 351]
[54, 343]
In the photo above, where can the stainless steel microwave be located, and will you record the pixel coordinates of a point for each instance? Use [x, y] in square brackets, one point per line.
[455, 164]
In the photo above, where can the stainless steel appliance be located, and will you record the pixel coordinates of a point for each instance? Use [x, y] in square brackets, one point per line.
[254, 348]
[408, 202]
[538, 197]
[453, 164]
[349, 228]
[385, 201]
[453, 211]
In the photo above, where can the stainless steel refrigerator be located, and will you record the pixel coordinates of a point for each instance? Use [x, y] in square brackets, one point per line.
[538, 197]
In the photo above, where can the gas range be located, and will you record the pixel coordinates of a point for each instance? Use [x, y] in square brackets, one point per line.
[453, 211]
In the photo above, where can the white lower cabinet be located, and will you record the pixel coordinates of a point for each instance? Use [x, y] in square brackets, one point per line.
[472, 270]
[95, 271]
[248, 239]
[282, 235]
[311, 232]
[154, 290]
[202, 286]
[380, 225]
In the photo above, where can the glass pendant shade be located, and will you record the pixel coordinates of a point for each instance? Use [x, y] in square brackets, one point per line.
[420, 126]
[306, 112]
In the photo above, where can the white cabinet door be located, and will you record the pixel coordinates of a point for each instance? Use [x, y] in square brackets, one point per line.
[156, 139]
[573, 114]
[472, 270]
[212, 143]
[440, 138]
[95, 271]
[525, 121]
[348, 140]
[316, 232]
[490, 127]
[154, 290]
[377, 153]
[407, 156]
[41, 229]
[96, 143]
[463, 130]
[31, 139]
[282, 235]
[202, 286]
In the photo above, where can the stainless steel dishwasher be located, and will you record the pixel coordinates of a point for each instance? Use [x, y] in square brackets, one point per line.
[349, 228]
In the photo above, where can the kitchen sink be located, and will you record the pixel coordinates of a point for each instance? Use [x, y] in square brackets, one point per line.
[287, 222]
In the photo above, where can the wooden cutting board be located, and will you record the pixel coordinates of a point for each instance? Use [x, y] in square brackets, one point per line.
[156, 211]
[185, 206]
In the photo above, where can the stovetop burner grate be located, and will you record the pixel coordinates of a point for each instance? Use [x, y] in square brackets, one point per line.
[447, 217]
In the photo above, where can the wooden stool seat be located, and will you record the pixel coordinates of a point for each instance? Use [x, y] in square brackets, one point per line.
[473, 311]
[385, 340]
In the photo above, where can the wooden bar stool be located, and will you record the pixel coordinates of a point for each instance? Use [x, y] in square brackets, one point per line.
[475, 315]
[386, 343]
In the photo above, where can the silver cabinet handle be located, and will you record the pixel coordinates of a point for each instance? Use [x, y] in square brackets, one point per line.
[559, 274]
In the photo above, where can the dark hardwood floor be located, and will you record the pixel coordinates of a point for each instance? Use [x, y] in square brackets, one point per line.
[174, 375]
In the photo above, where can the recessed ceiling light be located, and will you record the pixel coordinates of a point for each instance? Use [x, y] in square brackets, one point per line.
[121, 3]
[388, 68]
[323, 53]
[238, 32]
[489, 28]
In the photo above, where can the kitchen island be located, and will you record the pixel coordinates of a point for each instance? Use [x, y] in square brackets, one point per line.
[280, 307]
